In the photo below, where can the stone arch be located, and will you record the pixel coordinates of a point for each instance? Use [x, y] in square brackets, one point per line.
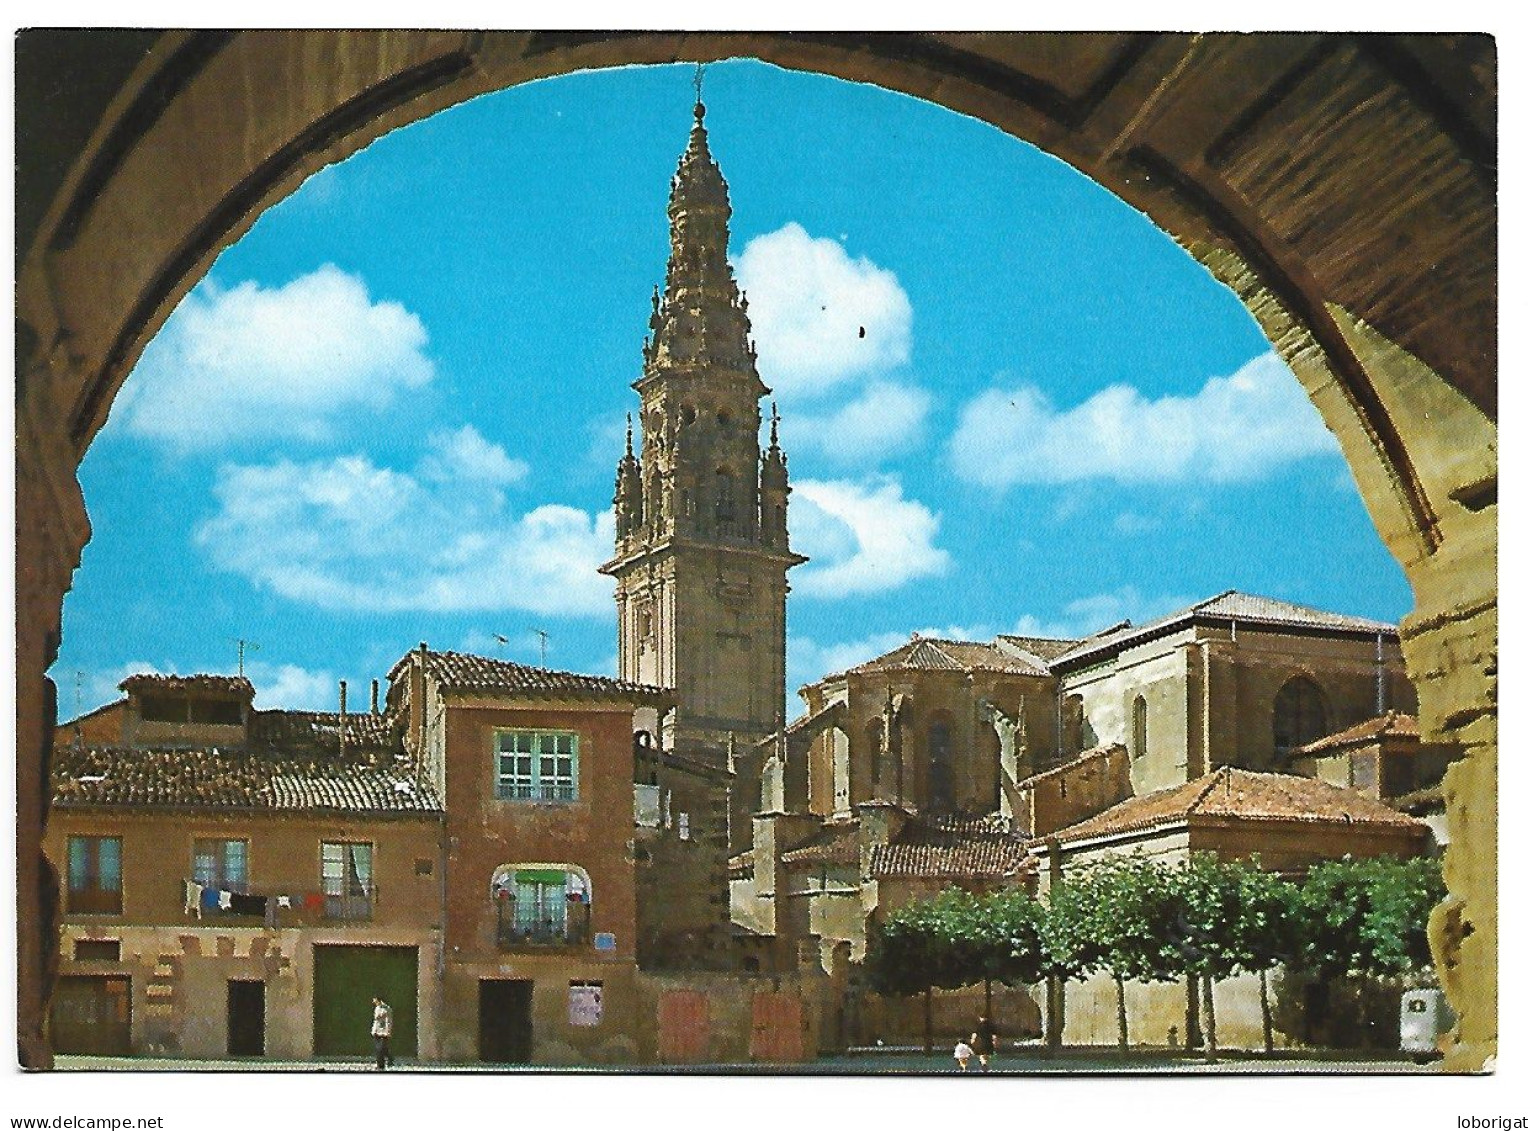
[1342, 185]
[1300, 713]
[1139, 737]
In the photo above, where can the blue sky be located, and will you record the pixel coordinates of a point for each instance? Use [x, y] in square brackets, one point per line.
[391, 413]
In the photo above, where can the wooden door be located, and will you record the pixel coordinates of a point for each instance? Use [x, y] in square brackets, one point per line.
[683, 1027]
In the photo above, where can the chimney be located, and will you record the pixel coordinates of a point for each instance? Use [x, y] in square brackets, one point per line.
[373, 697]
[341, 729]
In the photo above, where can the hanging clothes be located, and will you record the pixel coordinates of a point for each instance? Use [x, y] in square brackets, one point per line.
[225, 900]
[285, 902]
[193, 903]
[208, 900]
[314, 901]
[248, 904]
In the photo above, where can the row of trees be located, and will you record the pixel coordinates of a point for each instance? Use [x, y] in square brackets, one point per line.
[1139, 921]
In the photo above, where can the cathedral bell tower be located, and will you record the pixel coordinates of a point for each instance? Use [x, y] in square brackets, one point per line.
[701, 550]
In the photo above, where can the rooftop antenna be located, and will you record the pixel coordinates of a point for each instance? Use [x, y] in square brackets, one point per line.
[544, 640]
[79, 734]
[240, 653]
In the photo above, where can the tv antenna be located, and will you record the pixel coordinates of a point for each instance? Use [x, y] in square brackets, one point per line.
[544, 641]
[240, 653]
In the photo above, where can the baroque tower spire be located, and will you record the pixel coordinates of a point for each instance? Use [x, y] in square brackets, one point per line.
[701, 547]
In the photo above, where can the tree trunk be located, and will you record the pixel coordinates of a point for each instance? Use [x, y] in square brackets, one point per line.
[1265, 1014]
[1054, 1016]
[929, 1019]
[1121, 1014]
[1209, 1018]
[988, 1000]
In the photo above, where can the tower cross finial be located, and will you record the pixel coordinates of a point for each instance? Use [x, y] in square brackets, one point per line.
[699, 83]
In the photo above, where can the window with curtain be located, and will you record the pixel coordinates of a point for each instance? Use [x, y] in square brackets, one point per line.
[347, 879]
[220, 863]
[95, 875]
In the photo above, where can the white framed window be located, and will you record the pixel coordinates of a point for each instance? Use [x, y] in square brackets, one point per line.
[536, 765]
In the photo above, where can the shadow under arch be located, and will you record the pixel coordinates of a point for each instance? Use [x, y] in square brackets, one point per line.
[1342, 185]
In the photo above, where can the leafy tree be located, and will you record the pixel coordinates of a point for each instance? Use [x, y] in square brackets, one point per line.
[1264, 934]
[1202, 937]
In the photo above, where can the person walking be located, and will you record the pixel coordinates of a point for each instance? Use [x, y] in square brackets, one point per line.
[983, 1042]
[963, 1055]
[384, 1022]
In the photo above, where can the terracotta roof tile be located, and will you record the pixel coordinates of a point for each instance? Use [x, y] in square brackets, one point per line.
[1395, 724]
[211, 778]
[461, 671]
[1105, 750]
[928, 654]
[832, 844]
[221, 684]
[1044, 648]
[291, 730]
[1245, 608]
[951, 847]
[1236, 794]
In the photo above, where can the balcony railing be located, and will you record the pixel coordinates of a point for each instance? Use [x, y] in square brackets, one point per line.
[301, 909]
[514, 930]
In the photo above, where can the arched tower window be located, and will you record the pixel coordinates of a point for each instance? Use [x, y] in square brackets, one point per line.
[726, 497]
[1298, 716]
[1139, 727]
[941, 786]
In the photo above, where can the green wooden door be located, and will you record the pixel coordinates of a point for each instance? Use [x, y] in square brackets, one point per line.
[347, 979]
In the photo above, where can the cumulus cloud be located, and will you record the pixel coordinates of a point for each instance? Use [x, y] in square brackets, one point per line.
[821, 316]
[885, 418]
[255, 363]
[1236, 428]
[862, 537]
[345, 533]
[290, 687]
[1085, 615]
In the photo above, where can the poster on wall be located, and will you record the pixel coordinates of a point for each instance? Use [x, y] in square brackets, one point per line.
[584, 1004]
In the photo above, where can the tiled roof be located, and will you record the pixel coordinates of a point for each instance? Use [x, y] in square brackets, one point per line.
[1246, 608]
[741, 864]
[925, 653]
[1044, 648]
[460, 671]
[829, 713]
[832, 844]
[211, 778]
[951, 847]
[1105, 750]
[291, 730]
[1229, 793]
[222, 684]
[1395, 724]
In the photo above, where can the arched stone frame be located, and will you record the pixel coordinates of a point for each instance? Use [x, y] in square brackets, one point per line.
[1300, 712]
[1138, 739]
[503, 886]
[1343, 186]
[875, 762]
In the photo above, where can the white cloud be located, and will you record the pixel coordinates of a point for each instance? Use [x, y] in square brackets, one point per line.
[252, 362]
[820, 316]
[1236, 428]
[884, 419]
[467, 455]
[290, 687]
[862, 537]
[344, 533]
[1085, 615]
